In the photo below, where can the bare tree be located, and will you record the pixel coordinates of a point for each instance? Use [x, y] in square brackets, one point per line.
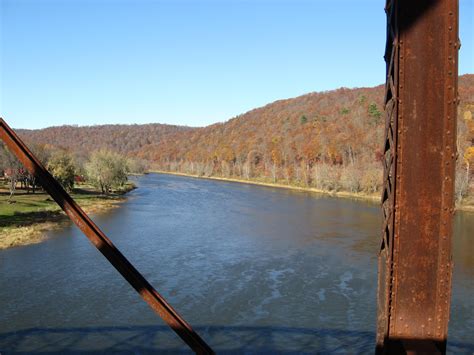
[12, 169]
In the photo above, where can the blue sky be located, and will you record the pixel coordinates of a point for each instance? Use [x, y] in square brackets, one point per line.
[193, 63]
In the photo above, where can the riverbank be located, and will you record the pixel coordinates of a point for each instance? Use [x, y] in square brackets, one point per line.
[342, 194]
[467, 206]
[27, 217]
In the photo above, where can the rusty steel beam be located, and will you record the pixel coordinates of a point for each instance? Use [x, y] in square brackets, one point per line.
[101, 242]
[421, 100]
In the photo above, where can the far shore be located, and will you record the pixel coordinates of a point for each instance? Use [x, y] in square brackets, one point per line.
[28, 219]
[343, 194]
[374, 198]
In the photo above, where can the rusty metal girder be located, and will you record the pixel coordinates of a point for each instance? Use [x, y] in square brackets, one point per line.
[101, 242]
[421, 100]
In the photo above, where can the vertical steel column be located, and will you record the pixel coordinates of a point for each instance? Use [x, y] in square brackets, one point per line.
[421, 99]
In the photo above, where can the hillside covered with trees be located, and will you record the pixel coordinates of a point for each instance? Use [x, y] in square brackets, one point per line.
[81, 141]
[328, 140]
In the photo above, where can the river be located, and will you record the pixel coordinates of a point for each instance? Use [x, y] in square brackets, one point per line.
[253, 269]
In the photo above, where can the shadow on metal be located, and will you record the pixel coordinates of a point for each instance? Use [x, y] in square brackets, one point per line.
[101, 242]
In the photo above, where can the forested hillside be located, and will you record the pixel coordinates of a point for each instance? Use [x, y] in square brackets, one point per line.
[329, 140]
[82, 141]
[286, 140]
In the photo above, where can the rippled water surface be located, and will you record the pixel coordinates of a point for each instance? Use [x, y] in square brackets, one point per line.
[253, 269]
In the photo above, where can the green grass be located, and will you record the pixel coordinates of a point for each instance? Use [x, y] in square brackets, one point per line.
[26, 209]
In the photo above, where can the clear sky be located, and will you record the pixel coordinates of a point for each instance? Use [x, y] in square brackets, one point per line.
[193, 63]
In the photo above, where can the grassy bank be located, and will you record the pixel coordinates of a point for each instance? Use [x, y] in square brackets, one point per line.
[343, 194]
[25, 219]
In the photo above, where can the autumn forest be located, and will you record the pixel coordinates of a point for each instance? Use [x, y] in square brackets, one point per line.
[328, 140]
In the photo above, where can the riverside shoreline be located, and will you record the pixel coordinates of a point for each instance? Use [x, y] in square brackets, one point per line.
[342, 194]
[30, 227]
[374, 198]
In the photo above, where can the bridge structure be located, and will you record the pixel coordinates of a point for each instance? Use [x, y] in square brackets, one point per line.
[415, 263]
[421, 98]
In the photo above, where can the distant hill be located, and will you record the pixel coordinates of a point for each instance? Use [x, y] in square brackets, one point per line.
[330, 140]
[123, 139]
[334, 127]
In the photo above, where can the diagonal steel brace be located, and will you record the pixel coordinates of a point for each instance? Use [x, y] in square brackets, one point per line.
[101, 242]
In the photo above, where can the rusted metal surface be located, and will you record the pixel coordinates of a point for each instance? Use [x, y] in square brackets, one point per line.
[102, 243]
[390, 152]
[415, 263]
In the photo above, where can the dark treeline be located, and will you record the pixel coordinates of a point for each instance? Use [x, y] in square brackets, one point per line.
[330, 140]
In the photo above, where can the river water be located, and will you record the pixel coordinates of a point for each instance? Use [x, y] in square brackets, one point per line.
[253, 269]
